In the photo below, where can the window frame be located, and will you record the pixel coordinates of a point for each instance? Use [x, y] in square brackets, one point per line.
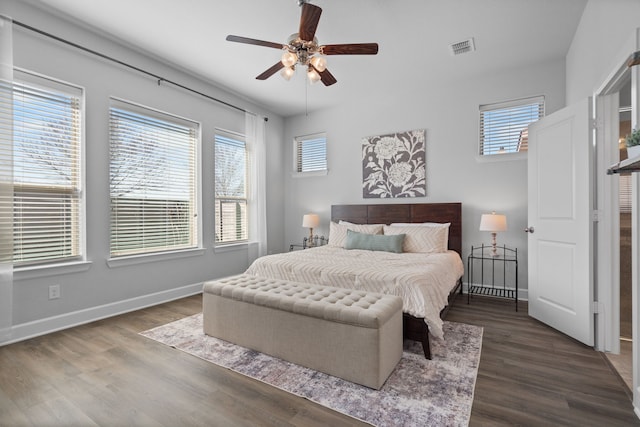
[298, 143]
[78, 259]
[167, 252]
[236, 136]
[507, 107]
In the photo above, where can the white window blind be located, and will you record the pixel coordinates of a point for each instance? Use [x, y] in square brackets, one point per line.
[503, 126]
[625, 193]
[311, 153]
[47, 170]
[152, 180]
[231, 167]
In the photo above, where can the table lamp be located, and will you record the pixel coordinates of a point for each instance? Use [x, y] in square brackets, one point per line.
[493, 222]
[310, 221]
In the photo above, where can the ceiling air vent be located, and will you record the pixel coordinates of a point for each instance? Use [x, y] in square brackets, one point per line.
[463, 47]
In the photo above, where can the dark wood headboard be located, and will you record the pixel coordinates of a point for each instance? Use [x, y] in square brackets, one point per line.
[418, 212]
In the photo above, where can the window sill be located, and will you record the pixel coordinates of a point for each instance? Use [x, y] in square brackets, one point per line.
[501, 157]
[23, 273]
[145, 258]
[232, 247]
[309, 174]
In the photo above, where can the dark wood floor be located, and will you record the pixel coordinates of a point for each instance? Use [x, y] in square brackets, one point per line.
[106, 374]
[532, 375]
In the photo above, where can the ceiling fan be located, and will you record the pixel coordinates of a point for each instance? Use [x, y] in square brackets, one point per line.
[303, 48]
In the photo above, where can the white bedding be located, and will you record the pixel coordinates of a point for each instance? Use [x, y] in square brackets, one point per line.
[423, 281]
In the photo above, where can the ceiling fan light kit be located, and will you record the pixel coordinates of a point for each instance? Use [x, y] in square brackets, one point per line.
[313, 75]
[303, 48]
[319, 63]
[289, 59]
[287, 73]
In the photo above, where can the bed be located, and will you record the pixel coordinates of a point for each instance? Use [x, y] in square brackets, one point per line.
[425, 282]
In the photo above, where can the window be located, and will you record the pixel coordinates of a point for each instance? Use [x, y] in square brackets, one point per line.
[152, 181]
[624, 197]
[47, 172]
[231, 166]
[310, 153]
[503, 126]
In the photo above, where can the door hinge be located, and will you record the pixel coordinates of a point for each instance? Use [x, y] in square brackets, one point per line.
[593, 124]
[595, 215]
[595, 307]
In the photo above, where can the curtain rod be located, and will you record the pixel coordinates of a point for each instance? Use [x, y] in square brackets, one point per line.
[133, 67]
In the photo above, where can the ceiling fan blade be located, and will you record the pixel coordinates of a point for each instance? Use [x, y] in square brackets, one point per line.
[246, 40]
[271, 71]
[309, 21]
[350, 49]
[326, 77]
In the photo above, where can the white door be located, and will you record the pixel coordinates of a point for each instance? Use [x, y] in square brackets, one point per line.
[560, 226]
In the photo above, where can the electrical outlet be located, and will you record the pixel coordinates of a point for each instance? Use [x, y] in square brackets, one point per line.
[54, 291]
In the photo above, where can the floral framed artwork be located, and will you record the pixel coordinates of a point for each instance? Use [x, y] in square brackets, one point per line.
[394, 165]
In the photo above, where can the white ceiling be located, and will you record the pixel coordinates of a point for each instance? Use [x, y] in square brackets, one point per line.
[413, 35]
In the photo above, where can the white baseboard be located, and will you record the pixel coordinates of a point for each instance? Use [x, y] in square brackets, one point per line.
[523, 294]
[68, 320]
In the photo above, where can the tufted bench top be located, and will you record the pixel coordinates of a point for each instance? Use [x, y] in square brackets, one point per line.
[360, 308]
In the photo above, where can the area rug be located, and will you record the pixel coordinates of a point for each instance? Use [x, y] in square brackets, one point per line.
[419, 392]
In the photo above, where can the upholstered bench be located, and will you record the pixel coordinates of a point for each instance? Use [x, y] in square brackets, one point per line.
[354, 335]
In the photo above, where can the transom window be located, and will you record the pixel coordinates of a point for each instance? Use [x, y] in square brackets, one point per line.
[503, 126]
[231, 168]
[47, 171]
[310, 153]
[152, 180]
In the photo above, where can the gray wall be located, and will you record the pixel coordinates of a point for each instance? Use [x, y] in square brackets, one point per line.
[449, 113]
[101, 290]
[604, 38]
[448, 110]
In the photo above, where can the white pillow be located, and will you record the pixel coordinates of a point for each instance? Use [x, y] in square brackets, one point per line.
[421, 224]
[427, 224]
[425, 239]
[341, 222]
[338, 232]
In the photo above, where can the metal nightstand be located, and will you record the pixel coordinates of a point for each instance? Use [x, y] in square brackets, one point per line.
[482, 255]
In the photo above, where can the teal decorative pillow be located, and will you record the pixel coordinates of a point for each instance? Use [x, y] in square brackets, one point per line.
[374, 242]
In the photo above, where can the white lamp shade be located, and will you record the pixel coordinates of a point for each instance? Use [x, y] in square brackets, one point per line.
[310, 220]
[493, 222]
[319, 63]
[287, 73]
[288, 58]
[313, 75]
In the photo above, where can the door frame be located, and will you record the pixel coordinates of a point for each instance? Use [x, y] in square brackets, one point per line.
[607, 245]
[607, 235]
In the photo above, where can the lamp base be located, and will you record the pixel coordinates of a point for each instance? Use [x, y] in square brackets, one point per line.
[310, 241]
[494, 246]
